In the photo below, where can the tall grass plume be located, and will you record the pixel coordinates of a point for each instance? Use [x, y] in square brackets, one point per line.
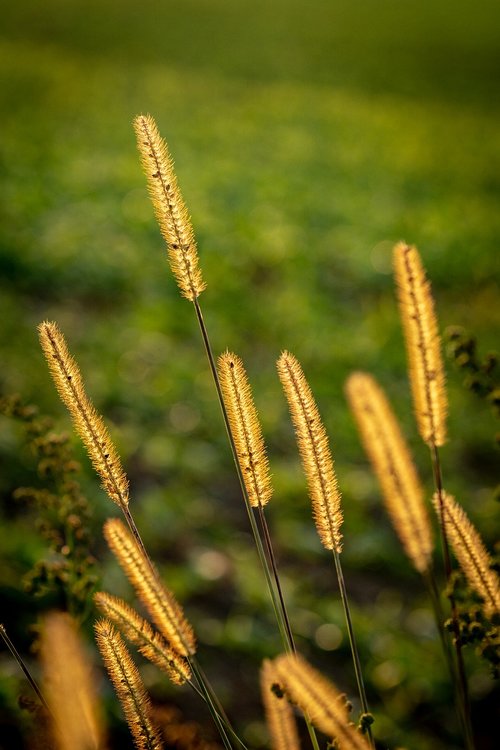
[471, 553]
[129, 687]
[161, 604]
[88, 423]
[69, 686]
[391, 460]
[423, 344]
[319, 699]
[314, 451]
[169, 207]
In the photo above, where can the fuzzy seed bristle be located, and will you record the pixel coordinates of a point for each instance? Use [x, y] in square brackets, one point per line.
[245, 429]
[161, 604]
[319, 699]
[394, 467]
[279, 714]
[139, 632]
[87, 422]
[423, 344]
[470, 552]
[128, 686]
[68, 684]
[170, 210]
[314, 451]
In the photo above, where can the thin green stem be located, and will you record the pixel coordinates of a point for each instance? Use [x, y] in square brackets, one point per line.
[278, 604]
[352, 640]
[274, 567]
[462, 686]
[432, 589]
[204, 688]
[273, 583]
[209, 701]
[15, 653]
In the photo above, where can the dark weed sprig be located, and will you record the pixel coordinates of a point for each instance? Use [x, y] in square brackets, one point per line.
[68, 574]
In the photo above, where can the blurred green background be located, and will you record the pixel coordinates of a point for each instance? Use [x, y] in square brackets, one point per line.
[308, 138]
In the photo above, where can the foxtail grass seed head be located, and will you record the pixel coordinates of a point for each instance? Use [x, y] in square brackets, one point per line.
[69, 686]
[170, 210]
[87, 422]
[165, 610]
[423, 344]
[128, 686]
[471, 553]
[314, 451]
[394, 467]
[279, 714]
[319, 699]
[245, 429]
[139, 632]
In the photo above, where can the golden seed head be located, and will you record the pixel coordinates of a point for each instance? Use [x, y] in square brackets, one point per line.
[319, 699]
[139, 632]
[129, 687]
[423, 344]
[245, 429]
[69, 686]
[279, 713]
[470, 551]
[314, 451]
[87, 422]
[170, 210]
[394, 467]
[165, 610]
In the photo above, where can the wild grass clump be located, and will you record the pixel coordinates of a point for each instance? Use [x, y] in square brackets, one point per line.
[297, 698]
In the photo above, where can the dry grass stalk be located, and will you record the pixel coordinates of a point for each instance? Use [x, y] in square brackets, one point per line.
[471, 553]
[161, 604]
[68, 685]
[88, 423]
[170, 210]
[245, 428]
[128, 686]
[139, 632]
[314, 451]
[393, 465]
[279, 714]
[423, 344]
[319, 699]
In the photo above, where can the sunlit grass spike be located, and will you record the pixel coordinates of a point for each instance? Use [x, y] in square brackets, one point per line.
[279, 714]
[423, 344]
[161, 604]
[170, 209]
[88, 423]
[314, 450]
[471, 554]
[128, 686]
[245, 427]
[69, 686]
[139, 632]
[319, 699]
[394, 467]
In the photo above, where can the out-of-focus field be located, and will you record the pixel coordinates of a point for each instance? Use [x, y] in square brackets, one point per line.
[308, 137]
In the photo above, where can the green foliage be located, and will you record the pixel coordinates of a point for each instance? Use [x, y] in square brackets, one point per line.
[307, 138]
[67, 575]
[481, 375]
[475, 628]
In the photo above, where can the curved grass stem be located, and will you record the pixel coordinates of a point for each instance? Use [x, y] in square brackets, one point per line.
[461, 683]
[354, 648]
[203, 687]
[17, 656]
[268, 563]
